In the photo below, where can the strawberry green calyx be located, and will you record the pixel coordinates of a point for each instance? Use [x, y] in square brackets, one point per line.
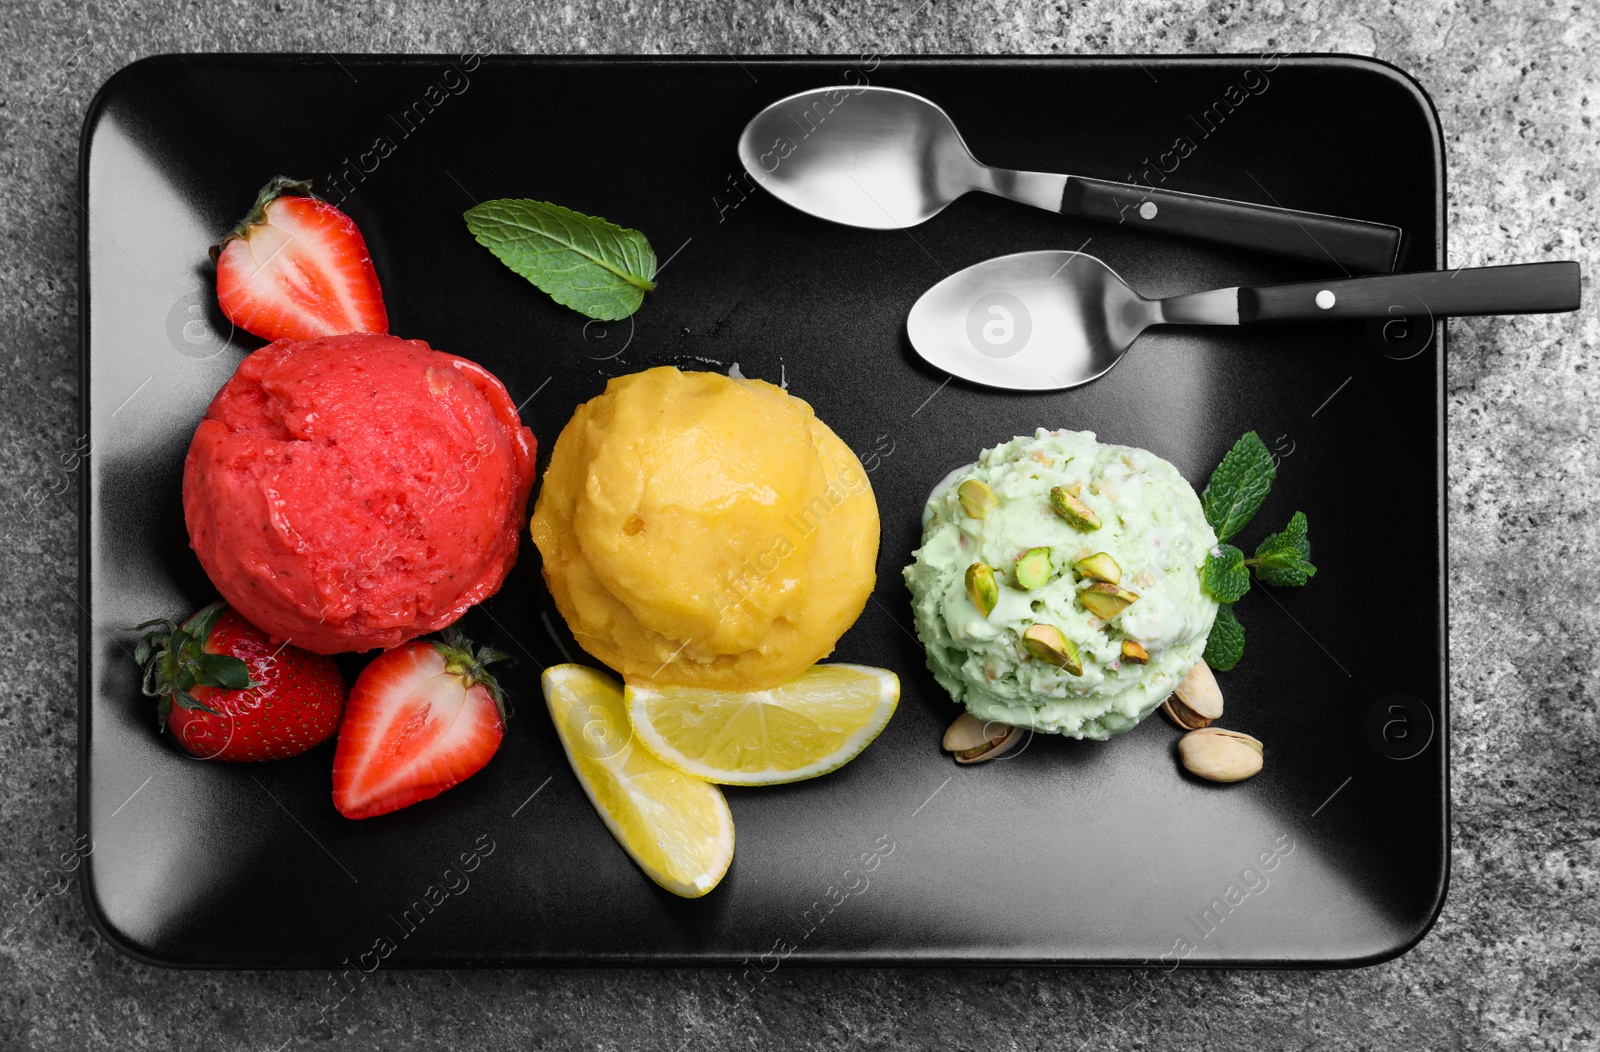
[280, 186]
[473, 668]
[175, 662]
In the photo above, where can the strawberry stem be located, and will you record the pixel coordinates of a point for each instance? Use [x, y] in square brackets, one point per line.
[280, 186]
[472, 667]
[175, 662]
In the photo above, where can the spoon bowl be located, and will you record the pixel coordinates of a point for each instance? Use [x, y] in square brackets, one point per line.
[1033, 321]
[868, 157]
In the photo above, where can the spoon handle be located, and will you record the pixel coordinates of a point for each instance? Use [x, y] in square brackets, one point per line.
[1526, 288]
[1351, 243]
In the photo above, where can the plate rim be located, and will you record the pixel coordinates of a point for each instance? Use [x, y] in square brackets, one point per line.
[89, 895]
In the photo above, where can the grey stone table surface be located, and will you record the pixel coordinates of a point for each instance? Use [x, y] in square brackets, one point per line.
[1511, 962]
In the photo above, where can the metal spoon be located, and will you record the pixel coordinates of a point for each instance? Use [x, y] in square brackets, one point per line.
[1042, 321]
[883, 158]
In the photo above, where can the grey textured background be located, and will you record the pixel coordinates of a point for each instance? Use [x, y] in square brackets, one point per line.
[1512, 960]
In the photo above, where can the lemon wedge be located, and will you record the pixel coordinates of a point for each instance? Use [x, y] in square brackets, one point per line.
[813, 724]
[677, 828]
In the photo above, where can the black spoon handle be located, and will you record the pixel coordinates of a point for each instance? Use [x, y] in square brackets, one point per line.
[1524, 288]
[1354, 244]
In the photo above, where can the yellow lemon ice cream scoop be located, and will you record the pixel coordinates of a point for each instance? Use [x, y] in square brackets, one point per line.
[705, 531]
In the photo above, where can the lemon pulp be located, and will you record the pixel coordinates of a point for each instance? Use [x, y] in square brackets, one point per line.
[806, 727]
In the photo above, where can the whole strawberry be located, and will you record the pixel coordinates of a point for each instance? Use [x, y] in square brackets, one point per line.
[227, 693]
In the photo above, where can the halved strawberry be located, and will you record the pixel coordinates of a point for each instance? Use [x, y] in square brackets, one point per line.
[228, 693]
[422, 717]
[296, 267]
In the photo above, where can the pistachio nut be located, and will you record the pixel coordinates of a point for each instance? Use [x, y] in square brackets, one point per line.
[1073, 510]
[1135, 653]
[1033, 568]
[1100, 567]
[1106, 601]
[976, 498]
[1220, 756]
[1196, 702]
[981, 588]
[1046, 643]
[971, 740]
[1181, 715]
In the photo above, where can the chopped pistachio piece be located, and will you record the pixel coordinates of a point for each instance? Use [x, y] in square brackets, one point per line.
[1073, 510]
[976, 498]
[1101, 567]
[1046, 643]
[1033, 568]
[1106, 601]
[981, 588]
[1132, 651]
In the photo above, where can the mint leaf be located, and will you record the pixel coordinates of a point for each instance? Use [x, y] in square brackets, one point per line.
[597, 268]
[1281, 559]
[1224, 574]
[1238, 486]
[1225, 644]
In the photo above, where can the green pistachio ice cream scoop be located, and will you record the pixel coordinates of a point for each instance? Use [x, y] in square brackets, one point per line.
[1058, 588]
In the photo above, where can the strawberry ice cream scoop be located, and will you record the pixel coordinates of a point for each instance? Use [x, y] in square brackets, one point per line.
[351, 492]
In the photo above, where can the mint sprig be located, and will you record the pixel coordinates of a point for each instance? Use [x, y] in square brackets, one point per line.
[597, 268]
[1283, 558]
[1230, 500]
[1225, 644]
[1238, 486]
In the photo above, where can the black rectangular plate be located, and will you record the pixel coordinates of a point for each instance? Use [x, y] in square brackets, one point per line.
[1067, 852]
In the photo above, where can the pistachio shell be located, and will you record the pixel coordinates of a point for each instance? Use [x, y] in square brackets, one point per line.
[1199, 693]
[1182, 716]
[1219, 755]
[971, 740]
